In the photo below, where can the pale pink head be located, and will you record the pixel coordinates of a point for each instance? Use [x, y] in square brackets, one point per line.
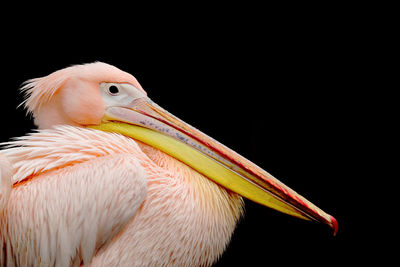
[71, 95]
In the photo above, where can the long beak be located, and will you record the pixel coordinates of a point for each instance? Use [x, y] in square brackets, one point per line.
[147, 122]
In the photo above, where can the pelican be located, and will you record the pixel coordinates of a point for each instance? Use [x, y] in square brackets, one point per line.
[112, 179]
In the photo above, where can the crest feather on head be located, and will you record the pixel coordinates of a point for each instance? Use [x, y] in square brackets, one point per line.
[39, 91]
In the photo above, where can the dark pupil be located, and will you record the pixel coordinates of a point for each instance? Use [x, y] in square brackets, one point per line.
[113, 89]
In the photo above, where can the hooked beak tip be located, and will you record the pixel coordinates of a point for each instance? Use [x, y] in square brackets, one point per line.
[335, 225]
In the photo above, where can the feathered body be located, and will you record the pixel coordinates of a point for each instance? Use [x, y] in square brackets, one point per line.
[70, 195]
[128, 204]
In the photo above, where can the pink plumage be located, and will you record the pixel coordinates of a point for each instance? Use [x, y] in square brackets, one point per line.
[5, 181]
[84, 190]
[82, 196]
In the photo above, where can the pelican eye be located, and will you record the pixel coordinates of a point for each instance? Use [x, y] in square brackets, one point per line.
[113, 90]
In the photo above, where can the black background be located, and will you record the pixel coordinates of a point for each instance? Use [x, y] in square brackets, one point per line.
[280, 89]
